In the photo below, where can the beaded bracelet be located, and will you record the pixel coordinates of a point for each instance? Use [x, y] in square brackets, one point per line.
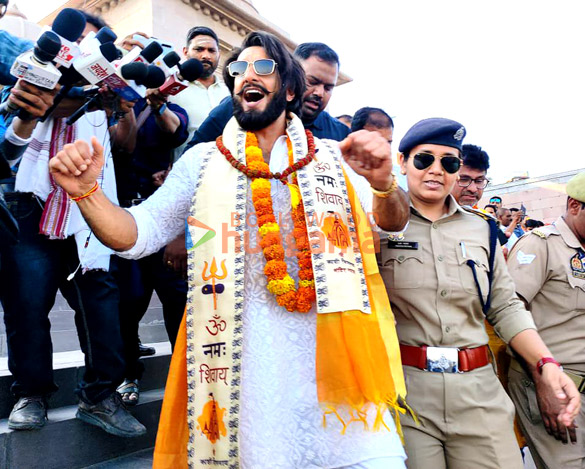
[385, 194]
[87, 194]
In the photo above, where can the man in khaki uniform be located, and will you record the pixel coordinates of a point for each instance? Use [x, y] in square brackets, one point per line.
[548, 267]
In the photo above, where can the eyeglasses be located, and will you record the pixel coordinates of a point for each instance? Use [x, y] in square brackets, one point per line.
[451, 164]
[261, 67]
[480, 183]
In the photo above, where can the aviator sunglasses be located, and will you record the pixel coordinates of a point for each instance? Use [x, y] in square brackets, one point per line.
[261, 67]
[451, 164]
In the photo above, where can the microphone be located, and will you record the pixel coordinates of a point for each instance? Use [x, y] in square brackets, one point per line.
[146, 55]
[34, 66]
[93, 40]
[168, 63]
[120, 82]
[154, 78]
[92, 63]
[97, 65]
[68, 25]
[189, 70]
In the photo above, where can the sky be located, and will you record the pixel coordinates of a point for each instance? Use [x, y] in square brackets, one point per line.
[510, 71]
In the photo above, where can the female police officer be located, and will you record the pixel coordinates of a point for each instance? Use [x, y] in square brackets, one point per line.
[438, 277]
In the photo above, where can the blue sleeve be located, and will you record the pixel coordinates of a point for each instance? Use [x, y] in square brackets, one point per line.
[182, 132]
[213, 126]
[10, 48]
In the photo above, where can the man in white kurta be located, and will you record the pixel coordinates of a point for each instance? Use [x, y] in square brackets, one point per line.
[280, 420]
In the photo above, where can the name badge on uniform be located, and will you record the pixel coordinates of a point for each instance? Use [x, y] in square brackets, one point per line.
[392, 244]
[578, 265]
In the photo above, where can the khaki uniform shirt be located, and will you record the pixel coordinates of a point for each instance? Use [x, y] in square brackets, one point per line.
[431, 287]
[548, 267]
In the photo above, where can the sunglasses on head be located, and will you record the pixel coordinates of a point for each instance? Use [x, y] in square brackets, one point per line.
[451, 164]
[261, 67]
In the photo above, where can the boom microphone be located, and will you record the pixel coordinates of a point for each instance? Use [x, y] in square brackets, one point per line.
[189, 70]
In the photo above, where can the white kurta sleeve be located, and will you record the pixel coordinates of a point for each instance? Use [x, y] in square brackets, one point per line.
[161, 217]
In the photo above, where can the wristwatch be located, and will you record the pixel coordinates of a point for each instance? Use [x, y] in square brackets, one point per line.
[161, 110]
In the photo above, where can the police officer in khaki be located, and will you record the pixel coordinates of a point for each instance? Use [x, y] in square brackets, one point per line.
[548, 268]
[465, 415]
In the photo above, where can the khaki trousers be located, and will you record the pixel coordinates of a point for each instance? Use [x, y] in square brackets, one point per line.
[547, 452]
[466, 421]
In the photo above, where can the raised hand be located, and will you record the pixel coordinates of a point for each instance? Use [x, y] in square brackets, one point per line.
[77, 167]
[369, 155]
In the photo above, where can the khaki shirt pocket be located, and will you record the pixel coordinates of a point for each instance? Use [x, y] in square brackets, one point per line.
[479, 256]
[578, 290]
[402, 268]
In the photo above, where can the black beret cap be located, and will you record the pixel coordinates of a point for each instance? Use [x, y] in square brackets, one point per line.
[437, 131]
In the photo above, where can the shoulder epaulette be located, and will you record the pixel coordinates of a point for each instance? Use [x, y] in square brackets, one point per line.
[479, 213]
[540, 234]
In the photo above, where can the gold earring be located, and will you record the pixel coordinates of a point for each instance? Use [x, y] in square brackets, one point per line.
[403, 172]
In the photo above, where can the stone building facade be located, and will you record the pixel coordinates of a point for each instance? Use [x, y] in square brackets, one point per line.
[544, 197]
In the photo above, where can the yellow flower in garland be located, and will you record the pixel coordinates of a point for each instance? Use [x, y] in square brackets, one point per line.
[280, 283]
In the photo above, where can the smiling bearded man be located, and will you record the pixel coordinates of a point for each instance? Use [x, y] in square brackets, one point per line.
[287, 324]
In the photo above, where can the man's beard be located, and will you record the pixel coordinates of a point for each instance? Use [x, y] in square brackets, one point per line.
[207, 72]
[309, 115]
[257, 120]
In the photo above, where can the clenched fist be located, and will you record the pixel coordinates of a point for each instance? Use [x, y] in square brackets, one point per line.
[77, 167]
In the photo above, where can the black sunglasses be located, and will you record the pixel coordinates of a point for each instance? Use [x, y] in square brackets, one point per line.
[451, 164]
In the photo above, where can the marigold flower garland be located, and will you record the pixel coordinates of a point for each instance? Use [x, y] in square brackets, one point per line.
[280, 283]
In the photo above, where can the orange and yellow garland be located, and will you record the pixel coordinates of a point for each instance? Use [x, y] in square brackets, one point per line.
[280, 283]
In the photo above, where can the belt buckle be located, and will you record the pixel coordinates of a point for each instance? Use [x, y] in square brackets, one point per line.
[443, 359]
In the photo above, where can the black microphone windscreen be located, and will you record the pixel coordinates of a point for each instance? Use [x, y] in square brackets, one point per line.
[151, 51]
[154, 78]
[47, 46]
[190, 69]
[69, 24]
[109, 51]
[70, 76]
[134, 71]
[106, 35]
[171, 59]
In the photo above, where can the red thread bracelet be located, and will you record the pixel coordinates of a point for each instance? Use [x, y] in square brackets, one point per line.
[87, 194]
[543, 361]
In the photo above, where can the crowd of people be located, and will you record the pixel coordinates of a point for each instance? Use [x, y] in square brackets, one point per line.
[317, 311]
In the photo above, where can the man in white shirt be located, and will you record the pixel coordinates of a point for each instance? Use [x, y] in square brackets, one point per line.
[290, 382]
[207, 91]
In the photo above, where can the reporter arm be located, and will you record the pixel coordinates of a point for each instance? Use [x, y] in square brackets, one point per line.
[16, 140]
[123, 134]
[168, 122]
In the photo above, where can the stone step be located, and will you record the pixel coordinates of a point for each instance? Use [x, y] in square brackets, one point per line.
[68, 443]
[69, 367]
